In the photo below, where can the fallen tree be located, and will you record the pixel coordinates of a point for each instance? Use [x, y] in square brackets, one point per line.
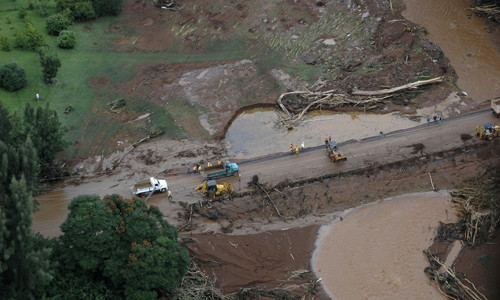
[332, 99]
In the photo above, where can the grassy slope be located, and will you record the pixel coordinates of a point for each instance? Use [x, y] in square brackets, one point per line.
[88, 129]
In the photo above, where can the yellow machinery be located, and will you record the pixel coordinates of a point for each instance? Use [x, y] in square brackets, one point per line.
[211, 189]
[333, 152]
[488, 131]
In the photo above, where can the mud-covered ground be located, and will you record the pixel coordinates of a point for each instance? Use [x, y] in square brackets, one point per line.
[247, 242]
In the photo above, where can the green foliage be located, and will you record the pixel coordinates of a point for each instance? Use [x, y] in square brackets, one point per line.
[50, 65]
[28, 38]
[66, 39]
[57, 23]
[22, 13]
[24, 267]
[84, 11]
[42, 7]
[124, 242]
[107, 7]
[12, 77]
[45, 130]
[5, 44]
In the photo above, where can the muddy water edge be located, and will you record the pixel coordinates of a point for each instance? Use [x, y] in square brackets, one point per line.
[376, 251]
[473, 52]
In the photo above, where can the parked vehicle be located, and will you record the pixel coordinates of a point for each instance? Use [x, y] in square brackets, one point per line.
[154, 185]
[230, 169]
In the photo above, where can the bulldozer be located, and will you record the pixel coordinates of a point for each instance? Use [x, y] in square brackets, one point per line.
[210, 188]
[488, 131]
[333, 151]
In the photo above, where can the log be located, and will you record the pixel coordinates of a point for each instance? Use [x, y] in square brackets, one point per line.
[399, 88]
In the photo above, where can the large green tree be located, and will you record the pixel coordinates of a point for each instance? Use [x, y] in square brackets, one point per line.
[124, 243]
[43, 126]
[24, 268]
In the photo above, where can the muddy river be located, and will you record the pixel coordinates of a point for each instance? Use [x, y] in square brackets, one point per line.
[375, 252]
[473, 52]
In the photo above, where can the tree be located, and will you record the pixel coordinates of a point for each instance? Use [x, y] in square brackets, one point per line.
[125, 243]
[66, 39]
[50, 65]
[45, 129]
[107, 7]
[12, 77]
[5, 44]
[24, 269]
[56, 23]
[28, 38]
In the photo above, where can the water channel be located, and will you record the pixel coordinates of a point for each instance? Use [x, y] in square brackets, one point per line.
[376, 251]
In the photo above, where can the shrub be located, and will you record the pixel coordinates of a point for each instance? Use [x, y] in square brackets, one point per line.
[22, 13]
[50, 65]
[5, 44]
[56, 23]
[12, 77]
[29, 38]
[66, 39]
[84, 11]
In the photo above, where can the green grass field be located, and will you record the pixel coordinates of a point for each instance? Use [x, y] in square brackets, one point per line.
[88, 131]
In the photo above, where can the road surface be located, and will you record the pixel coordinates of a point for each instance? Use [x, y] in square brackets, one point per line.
[313, 162]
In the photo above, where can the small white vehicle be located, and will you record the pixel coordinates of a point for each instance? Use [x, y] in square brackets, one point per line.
[154, 185]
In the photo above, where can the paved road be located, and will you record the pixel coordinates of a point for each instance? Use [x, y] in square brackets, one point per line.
[273, 169]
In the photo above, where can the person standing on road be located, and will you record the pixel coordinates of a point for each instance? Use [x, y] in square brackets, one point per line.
[297, 150]
[428, 121]
[435, 119]
[302, 146]
[169, 197]
[291, 148]
[199, 169]
[439, 120]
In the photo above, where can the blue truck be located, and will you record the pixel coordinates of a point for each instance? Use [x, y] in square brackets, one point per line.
[229, 169]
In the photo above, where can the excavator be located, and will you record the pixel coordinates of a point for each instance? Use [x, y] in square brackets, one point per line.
[210, 188]
[488, 131]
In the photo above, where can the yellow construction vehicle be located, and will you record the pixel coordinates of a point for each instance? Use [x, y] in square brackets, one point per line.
[488, 131]
[211, 189]
[333, 152]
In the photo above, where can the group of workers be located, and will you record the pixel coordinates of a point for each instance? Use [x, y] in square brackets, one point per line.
[296, 148]
[197, 168]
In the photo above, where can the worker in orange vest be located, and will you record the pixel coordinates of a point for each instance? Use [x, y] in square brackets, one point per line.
[219, 163]
[291, 147]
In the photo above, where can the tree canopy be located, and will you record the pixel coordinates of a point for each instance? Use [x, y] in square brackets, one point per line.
[125, 243]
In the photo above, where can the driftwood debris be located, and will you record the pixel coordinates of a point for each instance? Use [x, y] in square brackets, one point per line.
[331, 99]
[411, 85]
[449, 283]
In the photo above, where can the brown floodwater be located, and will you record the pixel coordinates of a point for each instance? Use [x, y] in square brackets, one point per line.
[376, 251]
[464, 40]
[256, 133]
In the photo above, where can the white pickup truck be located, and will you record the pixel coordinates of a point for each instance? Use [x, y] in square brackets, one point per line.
[495, 105]
[152, 186]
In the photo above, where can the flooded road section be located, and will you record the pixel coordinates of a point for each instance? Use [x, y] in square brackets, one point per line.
[464, 40]
[376, 251]
[255, 133]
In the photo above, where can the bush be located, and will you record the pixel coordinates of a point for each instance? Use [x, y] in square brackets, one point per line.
[50, 65]
[56, 23]
[29, 38]
[107, 7]
[84, 11]
[22, 13]
[66, 39]
[5, 43]
[12, 77]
